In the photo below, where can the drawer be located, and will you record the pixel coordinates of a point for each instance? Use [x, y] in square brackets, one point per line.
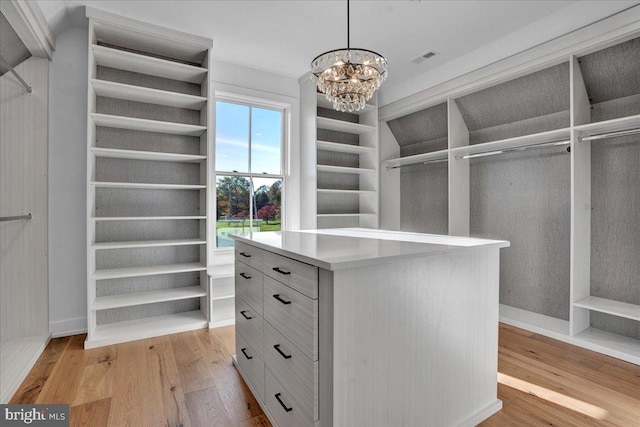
[298, 275]
[250, 324]
[294, 315]
[282, 406]
[249, 255]
[296, 372]
[249, 286]
[251, 366]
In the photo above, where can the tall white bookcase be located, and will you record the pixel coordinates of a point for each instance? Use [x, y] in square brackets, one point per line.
[149, 140]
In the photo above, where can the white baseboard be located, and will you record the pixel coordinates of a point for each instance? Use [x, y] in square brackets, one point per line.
[221, 323]
[65, 328]
[482, 415]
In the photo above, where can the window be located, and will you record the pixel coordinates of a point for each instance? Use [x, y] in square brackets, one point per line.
[249, 175]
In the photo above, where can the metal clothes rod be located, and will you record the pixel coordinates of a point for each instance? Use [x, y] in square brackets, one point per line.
[417, 163]
[15, 73]
[508, 150]
[16, 218]
[611, 134]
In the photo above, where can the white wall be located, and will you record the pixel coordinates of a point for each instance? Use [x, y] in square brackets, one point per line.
[67, 184]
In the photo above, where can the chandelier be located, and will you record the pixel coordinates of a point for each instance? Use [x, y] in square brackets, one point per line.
[348, 77]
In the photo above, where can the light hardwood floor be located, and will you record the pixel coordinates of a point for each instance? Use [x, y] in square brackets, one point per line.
[187, 379]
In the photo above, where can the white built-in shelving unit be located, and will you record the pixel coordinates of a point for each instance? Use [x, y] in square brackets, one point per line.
[571, 216]
[149, 140]
[341, 149]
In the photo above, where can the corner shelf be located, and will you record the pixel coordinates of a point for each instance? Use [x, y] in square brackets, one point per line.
[343, 148]
[615, 308]
[127, 92]
[147, 244]
[342, 126]
[343, 169]
[128, 300]
[133, 123]
[137, 185]
[116, 153]
[152, 270]
[417, 158]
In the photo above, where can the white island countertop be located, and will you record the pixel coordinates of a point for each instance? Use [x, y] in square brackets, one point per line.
[341, 248]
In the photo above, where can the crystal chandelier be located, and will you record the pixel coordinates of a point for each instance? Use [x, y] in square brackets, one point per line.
[348, 77]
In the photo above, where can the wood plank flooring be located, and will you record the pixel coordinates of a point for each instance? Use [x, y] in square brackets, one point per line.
[188, 379]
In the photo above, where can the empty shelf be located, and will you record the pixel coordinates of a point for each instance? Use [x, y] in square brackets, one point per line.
[138, 185]
[417, 158]
[115, 58]
[343, 169]
[119, 273]
[615, 125]
[132, 123]
[338, 191]
[616, 308]
[342, 215]
[343, 148]
[342, 126]
[145, 218]
[147, 155]
[118, 332]
[148, 244]
[143, 94]
[324, 103]
[559, 135]
[128, 300]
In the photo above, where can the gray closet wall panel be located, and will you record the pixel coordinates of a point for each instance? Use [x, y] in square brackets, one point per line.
[133, 202]
[105, 288]
[424, 147]
[145, 80]
[330, 113]
[143, 110]
[146, 141]
[529, 126]
[335, 136]
[615, 108]
[337, 159]
[123, 231]
[123, 314]
[615, 228]
[146, 171]
[338, 181]
[424, 198]
[525, 198]
[139, 257]
[338, 203]
[423, 125]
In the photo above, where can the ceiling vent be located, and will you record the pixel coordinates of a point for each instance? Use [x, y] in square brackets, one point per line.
[423, 57]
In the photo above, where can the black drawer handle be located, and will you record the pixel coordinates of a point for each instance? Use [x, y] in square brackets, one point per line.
[245, 276]
[277, 347]
[245, 316]
[281, 271]
[244, 254]
[277, 395]
[277, 296]
[244, 351]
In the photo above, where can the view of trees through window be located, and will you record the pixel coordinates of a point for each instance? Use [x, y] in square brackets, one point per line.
[248, 170]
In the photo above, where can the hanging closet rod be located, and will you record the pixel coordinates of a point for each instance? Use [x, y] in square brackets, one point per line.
[508, 150]
[16, 218]
[611, 134]
[417, 163]
[15, 73]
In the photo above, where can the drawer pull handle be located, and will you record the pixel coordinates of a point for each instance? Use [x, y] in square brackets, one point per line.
[245, 276]
[281, 271]
[277, 347]
[277, 395]
[244, 351]
[244, 254]
[277, 296]
[245, 316]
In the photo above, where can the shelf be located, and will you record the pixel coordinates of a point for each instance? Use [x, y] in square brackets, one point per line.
[221, 271]
[132, 123]
[518, 142]
[148, 244]
[324, 103]
[115, 58]
[615, 125]
[137, 185]
[417, 158]
[223, 298]
[343, 169]
[342, 126]
[338, 191]
[343, 148]
[145, 218]
[143, 94]
[116, 153]
[120, 273]
[118, 332]
[336, 215]
[128, 300]
[614, 345]
[616, 308]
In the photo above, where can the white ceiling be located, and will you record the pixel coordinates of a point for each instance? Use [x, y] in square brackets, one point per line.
[284, 36]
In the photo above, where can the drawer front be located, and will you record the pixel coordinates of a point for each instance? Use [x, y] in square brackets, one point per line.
[250, 325]
[249, 255]
[249, 286]
[298, 275]
[294, 370]
[251, 365]
[282, 406]
[294, 315]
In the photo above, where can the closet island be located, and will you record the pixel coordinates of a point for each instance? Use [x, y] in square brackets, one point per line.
[363, 327]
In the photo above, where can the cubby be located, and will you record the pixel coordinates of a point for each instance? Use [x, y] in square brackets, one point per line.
[147, 180]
